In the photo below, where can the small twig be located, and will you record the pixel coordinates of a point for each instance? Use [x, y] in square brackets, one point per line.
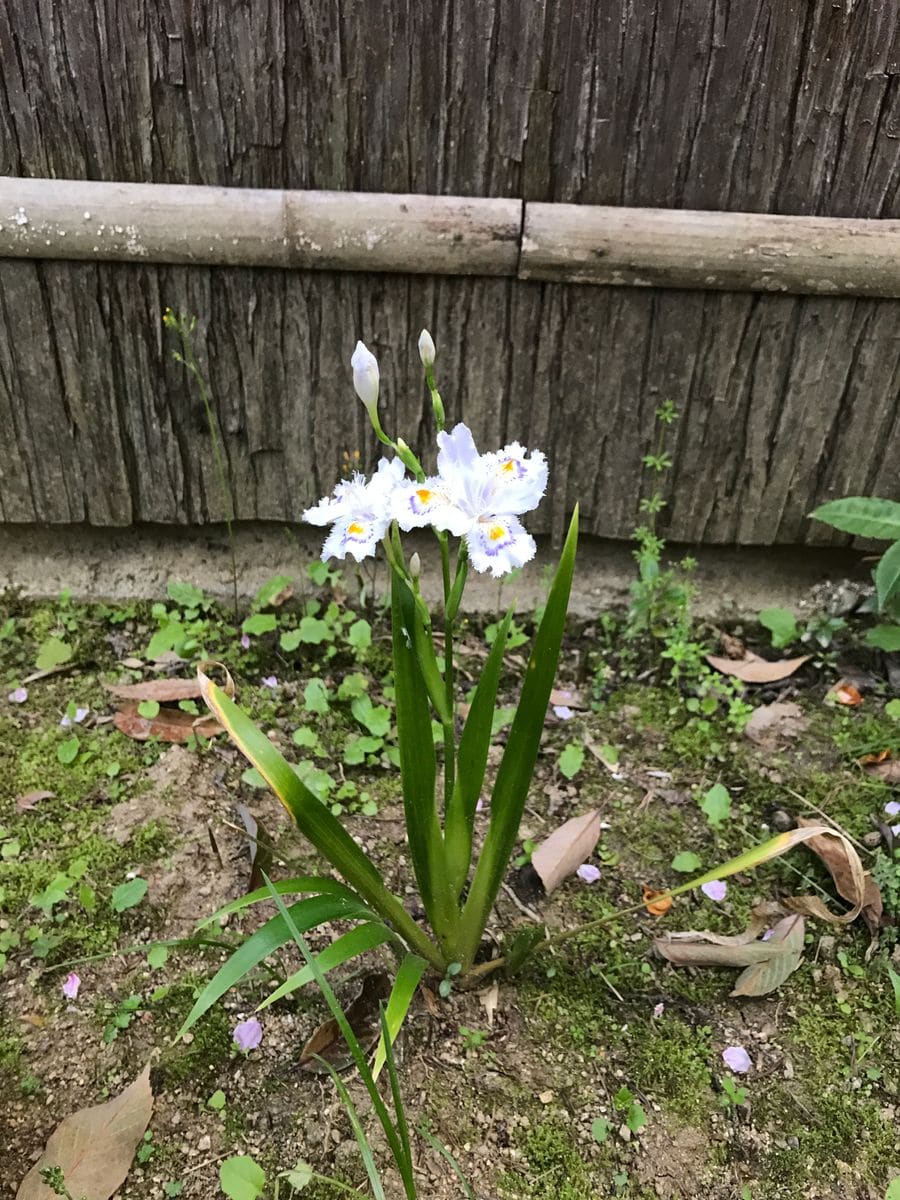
[521, 906]
[831, 821]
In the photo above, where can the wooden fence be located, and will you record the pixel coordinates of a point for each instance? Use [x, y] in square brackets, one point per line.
[758, 107]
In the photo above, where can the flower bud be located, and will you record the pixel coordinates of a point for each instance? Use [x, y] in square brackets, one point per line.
[415, 566]
[365, 376]
[409, 459]
[426, 349]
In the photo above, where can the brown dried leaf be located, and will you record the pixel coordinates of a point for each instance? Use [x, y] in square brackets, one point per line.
[327, 1041]
[851, 881]
[889, 770]
[568, 698]
[754, 669]
[567, 847]
[161, 690]
[766, 964]
[95, 1147]
[786, 944]
[169, 724]
[845, 693]
[260, 847]
[29, 800]
[655, 907]
[773, 723]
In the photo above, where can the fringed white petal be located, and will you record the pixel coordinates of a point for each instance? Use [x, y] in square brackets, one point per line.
[499, 544]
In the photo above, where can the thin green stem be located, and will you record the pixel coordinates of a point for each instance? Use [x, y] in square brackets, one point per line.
[189, 360]
[448, 724]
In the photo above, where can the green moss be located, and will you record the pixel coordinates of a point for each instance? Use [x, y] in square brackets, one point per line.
[211, 1043]
[556, 1171]
[671, 1062]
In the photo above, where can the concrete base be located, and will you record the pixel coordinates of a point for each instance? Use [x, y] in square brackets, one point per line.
[119, 564]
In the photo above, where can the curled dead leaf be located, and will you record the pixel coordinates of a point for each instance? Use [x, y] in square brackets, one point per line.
[161, 690]
[753, 669]
[852, 882]
[845, 693]
[654, 906]
[767, 964]
[29, 800]
[887, 769]
[327, 1042]
[95, 1147]
[869, 760]
[169, 724]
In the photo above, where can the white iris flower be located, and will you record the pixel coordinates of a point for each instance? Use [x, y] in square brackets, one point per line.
[359, 510]
[478, 497]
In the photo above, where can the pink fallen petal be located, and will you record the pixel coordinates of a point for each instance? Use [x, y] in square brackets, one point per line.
[248, 1034]
[717, 889]
[563, 712]
[892, 808]
[18, 696]
[737, 1059]
[769, 933]
[80, 714]
[480, 805]
[658, 1009]
[270, 681]
[71, 986]
[588, 873]
[895, 830]
[245, 641]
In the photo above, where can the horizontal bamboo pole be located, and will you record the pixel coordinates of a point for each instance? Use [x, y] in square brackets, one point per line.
[447, 235]
[174, 223]
[678, 248]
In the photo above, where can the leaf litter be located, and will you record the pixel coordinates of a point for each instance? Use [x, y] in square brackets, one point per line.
[94, 1148]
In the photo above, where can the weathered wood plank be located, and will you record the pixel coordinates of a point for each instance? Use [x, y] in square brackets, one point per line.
[785, 401]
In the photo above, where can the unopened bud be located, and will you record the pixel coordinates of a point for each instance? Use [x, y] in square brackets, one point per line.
[426, 348]
[415, 566]
[408, 459]
[365, 376]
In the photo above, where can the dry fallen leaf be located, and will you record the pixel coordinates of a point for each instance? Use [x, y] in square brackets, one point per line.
[156, 689]
[566, 698]
[889, 770]
[490, 998]
[327, 1041]
[753, 669]
[851, 881]
[95, 1147]
[767, 964]
[567, 847]
[169, 724]
[29, 800]
[869, 760]
[260, 847]
[774, 723]
[656, 908]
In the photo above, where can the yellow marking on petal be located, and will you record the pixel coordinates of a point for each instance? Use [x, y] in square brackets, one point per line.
[424, 494]
[355, 528]
[509, 465]
[496, 532]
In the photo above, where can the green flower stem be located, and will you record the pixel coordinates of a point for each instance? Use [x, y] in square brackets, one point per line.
[437, 404]
[448, 723]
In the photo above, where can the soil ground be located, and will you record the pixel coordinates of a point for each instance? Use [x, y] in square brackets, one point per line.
[579, 1035]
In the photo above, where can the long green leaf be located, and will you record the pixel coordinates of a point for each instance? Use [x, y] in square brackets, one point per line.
[887, 575]
[381, 1111]
[319, 884]
[866, 516]
[349, 945]
[270, 937]
[417, 767]
[396, 1095]
[517, 765]
[442, 1149]
[359, 1133]
[408, 978]
[314, 819]
[471, 761]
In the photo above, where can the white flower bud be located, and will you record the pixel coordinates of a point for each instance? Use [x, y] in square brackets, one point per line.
[415, 566]
[365, 376]
[426, 348]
